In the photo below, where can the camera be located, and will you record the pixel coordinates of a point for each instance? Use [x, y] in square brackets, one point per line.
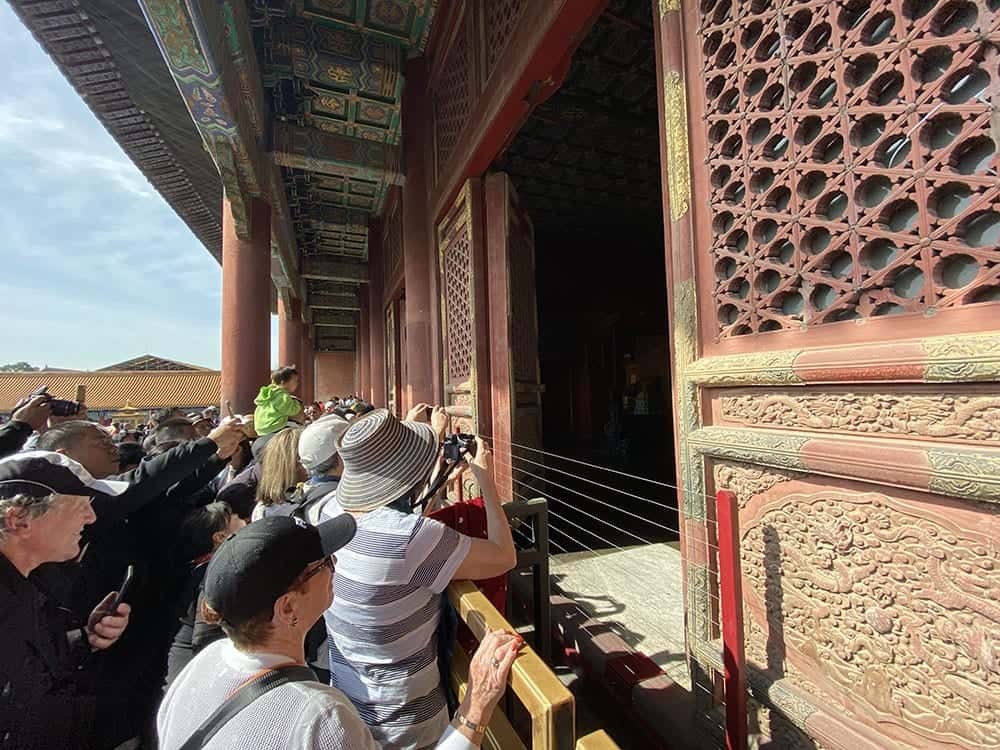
[457, 445]
[59, 407]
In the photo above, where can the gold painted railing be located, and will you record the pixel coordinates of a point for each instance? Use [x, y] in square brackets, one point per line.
[548, 702]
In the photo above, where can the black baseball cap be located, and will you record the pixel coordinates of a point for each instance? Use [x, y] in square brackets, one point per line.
[43, 473]
[251, 570]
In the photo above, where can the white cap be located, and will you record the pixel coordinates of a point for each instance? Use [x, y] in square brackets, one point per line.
[318, 441]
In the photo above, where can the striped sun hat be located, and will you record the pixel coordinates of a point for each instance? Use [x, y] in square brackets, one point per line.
[383, 460]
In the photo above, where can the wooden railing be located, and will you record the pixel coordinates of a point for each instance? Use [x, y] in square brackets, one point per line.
[548, 702]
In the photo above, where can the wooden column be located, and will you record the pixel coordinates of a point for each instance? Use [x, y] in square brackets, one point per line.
[290, 334]
[418, 244]
[246, 314]
[307, 366]
[364, 347]
[376, 320]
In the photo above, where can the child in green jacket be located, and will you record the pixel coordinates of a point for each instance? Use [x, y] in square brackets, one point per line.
[275, 402]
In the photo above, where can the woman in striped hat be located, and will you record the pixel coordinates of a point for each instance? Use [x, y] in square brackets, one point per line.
[390, 577]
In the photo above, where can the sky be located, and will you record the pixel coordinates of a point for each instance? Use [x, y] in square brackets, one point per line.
[96, 267]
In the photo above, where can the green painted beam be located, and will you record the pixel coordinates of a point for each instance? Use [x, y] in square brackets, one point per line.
[334, 319]
[334, 301]
[334, 270]
[344, 156]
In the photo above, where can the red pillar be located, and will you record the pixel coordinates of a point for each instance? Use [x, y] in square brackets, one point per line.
[246, 313]
[376, 315]
[290, 335]
[363, 350]
[307, 371]
[418, 245]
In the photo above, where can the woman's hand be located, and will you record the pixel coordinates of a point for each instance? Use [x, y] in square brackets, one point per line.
[488, 673]
[418, 413]
[482, 463]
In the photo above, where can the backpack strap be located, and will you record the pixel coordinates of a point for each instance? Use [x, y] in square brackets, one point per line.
[247, 693]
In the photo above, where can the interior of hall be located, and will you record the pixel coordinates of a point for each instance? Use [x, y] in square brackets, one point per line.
[586, 166]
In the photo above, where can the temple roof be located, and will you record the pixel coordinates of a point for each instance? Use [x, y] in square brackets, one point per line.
[108, 54]
[117, 390]
[151, 362]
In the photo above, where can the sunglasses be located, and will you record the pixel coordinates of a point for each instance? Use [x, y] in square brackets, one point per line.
[327, 563]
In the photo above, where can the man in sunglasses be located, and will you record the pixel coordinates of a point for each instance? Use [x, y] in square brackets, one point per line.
[45, 503]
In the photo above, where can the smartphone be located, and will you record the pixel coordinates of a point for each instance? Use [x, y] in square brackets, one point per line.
[229, 409]
[123, 589]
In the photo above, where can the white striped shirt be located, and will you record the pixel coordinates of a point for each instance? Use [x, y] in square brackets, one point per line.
[383, 623]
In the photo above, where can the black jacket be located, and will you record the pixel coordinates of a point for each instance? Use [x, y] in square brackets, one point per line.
[13, 436]
[44, 703]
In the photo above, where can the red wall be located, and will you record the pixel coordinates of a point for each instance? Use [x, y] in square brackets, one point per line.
[334, 374]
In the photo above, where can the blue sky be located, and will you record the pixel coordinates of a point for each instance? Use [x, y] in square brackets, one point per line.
[97, 268]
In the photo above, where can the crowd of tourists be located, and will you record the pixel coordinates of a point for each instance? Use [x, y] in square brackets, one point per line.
[257, 581]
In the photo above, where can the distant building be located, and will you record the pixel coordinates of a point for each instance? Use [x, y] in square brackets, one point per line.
[123, 392]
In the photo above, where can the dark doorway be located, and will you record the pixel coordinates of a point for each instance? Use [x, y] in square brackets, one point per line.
[586, 166]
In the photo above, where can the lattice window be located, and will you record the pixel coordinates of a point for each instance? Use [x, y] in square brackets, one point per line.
[852, 168]
[458, 307]
[390, 360]
[452, 98]
[500, 20]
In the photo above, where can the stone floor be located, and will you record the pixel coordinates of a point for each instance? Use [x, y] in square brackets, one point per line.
[637, 589]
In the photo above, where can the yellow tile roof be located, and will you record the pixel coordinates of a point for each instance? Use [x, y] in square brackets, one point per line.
[117, 390]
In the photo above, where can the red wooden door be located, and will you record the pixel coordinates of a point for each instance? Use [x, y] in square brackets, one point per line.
[391, 360]
[464, 323]
[517, 388]
[832, 220]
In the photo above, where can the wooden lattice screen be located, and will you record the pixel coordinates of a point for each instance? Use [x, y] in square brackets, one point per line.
[833, 233]
[852, 162]
[391, 361]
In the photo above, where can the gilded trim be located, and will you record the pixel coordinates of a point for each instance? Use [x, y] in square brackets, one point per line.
[668, 5]
[762, 447]
[678, 158]
[755, 368]
[970, 358]
[962, 473]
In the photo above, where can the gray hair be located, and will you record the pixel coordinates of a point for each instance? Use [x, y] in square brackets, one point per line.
[34, 507]
[324, 468]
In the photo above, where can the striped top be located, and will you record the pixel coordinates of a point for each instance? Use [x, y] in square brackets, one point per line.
[383, 622]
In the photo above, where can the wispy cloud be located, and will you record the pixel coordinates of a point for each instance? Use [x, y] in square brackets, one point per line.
[96, 266]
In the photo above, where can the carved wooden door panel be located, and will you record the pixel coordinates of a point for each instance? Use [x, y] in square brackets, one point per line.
[402, 397]
[464, 333]
[832, 223]
[391, 360]
[516, 375]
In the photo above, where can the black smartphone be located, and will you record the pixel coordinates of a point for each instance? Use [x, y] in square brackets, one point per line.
[122, 589]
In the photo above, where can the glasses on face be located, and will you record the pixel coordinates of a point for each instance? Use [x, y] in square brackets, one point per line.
[327, 563]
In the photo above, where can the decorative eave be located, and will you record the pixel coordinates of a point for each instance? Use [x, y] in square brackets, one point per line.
[149, 120]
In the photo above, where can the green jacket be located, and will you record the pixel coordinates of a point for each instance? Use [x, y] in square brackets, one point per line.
[275, 406]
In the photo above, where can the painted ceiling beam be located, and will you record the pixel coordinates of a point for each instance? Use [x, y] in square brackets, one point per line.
[410, 28]
[334, 318]
[341, 155]
[208, 48]
[334, 270]
[334, 301]
[334, 218]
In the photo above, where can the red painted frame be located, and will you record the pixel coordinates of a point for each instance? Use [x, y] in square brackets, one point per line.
[498, 116]
[731, 597]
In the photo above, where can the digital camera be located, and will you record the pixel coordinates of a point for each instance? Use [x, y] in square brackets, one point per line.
[459, 444]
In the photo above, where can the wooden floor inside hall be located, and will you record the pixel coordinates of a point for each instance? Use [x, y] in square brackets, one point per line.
[638, 591]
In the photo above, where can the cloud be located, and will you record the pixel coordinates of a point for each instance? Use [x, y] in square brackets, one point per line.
[97, 267]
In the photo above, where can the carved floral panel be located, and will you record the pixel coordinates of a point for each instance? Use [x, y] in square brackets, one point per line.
[886, 607]
[946, 416]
